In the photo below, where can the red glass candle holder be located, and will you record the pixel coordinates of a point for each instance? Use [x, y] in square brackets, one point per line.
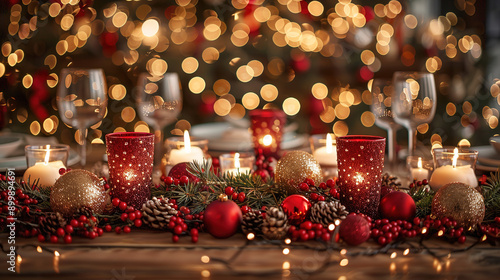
[360, 165]
[267, 130]
[130, 160]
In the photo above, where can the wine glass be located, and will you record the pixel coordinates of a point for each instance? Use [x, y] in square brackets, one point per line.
[159, 102]
[413, 102]
[82, 101]
[381, 107]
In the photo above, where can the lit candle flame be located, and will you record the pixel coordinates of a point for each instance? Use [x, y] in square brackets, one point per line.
[267, 140]
[419, 163]
[329, 143]
[237, 160]
[187, 141]
[47, 155]
[455, 157]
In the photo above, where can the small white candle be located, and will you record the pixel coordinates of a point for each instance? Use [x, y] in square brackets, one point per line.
[186, 153]
[326, 155]
[419, 173]
[453, 173]
[45, 172]
[237, 167]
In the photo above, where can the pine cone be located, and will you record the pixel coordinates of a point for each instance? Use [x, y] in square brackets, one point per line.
[85, 211]
[51, 222]
[252, 222]
[390, 181]
[157, 212]
[326, 213]
[275, 225]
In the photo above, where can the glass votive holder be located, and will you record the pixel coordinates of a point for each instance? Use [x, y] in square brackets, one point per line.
[267, 131]
[324, 150]
[130, 160]
[453, 165]
[360, 163]
[44, 162]
[185, 149]
[234, 164]
[419, 168]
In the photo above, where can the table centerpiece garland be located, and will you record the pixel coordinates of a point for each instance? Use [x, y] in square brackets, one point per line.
[193, 200]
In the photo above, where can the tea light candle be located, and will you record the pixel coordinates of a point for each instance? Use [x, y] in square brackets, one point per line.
[419, 173]
[186, 153]
[46, 173]
[453, 173]
[237, 167]
[326, 155]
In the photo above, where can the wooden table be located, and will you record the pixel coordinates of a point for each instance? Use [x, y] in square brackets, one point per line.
[145, 254]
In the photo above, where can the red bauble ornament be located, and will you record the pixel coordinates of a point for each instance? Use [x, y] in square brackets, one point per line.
[179, 170]
[297, 208]
[222, 217]
[354, 230]
[397, 206]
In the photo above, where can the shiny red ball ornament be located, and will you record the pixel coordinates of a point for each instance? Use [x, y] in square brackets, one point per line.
[354, 230]
[397, 206]
[179, 170]
[297, 208]
[222, 217]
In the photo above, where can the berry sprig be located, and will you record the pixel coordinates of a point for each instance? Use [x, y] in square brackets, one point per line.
[265, 167]
[308, 230]
[321, 192]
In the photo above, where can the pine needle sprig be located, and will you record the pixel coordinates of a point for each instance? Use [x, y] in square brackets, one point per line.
[491, 195]
[422, 195]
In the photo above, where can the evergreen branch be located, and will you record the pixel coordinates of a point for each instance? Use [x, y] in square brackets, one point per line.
[491, 195]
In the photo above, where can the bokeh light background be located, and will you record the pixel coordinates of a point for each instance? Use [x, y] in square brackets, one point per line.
[313, 59]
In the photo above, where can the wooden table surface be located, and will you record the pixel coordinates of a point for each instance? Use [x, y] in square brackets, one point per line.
[145, 254]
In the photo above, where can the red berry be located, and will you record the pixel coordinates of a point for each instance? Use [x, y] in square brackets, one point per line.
[333, 192]
[310, 182]
[234, 196]
[68, 239]
[108, 228]
[124, 217]
[138, 223]
[304, 187]
[184, 227]
[306, 225]
[171, 224]
[321, 198]
[177, 182]
[245, 209]
[131, 216]
[312, 234]
[93, 235]
[184, 179]
[194, 238]
[138, 214]
[461, 239]
[69, 229]
[41, 238]
[229, 190]
[194, 232]
[126, 229]
[115, 201]
[323, 186]
[122, 205]
[241, 197]
[175, 238]
[304, 236]
[169, 180]
[497, 220]
[100, 231]
[54, 239]
[177, 229]
[82, 219]
[382, 240]
[330, 183]
[118, 230]
[314, 196]
[326, 236]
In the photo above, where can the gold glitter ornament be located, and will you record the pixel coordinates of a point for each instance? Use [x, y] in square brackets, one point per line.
[460, 202]
[78, 188]
[294, 167]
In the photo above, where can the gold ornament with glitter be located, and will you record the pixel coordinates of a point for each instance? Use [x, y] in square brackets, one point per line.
[460, 202]
[294, 167]
[75, 189]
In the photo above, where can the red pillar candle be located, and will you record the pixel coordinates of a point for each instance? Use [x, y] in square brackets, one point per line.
[360, 165]
[130, 160]
[267, 130]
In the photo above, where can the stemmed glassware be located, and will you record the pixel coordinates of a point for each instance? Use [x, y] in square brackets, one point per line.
[381, 107]
[414, 102]
[82, 101]
[159, 102]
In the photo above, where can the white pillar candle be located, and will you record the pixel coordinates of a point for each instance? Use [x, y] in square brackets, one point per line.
[46, 173]
[419, 173]
[326, 155]
[186, 153]
[238, 171]
[453, 173]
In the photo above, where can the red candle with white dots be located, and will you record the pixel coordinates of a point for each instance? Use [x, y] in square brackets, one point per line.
[360, 163]
[130, 160]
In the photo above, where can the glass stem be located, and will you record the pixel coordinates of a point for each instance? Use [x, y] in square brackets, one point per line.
[391, 133]
[158, 147]
[412, 140]
[83, 145]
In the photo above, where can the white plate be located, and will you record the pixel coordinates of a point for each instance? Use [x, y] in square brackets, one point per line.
[19, 162]
[487, 155]
[223, 136]
[9, 144]
[486, 168]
